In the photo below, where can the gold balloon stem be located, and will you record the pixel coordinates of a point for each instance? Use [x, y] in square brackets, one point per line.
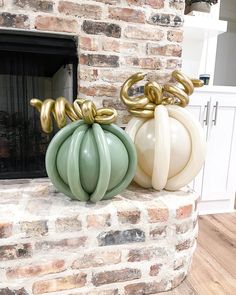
[156, 94]
[61, 109]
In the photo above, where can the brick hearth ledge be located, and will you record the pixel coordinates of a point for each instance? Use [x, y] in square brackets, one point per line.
[141, 242]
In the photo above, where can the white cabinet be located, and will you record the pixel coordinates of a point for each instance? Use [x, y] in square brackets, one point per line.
[199, 106]
[216, 183]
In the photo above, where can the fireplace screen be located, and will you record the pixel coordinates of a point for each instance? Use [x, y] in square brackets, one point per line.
[31, 66]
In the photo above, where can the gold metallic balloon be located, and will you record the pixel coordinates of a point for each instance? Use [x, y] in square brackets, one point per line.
[156, 94]
[139, 101]
[80, 109]
[63, 108]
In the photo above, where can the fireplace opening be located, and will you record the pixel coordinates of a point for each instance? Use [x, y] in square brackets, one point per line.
[39, 66]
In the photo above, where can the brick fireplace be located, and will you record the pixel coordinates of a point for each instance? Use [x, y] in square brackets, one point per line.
[139, 243]
[116, 38]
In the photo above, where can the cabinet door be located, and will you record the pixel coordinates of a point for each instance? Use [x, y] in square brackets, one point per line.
[199, 106]
[218, 189]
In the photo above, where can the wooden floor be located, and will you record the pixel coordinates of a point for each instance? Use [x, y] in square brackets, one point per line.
[214, 265]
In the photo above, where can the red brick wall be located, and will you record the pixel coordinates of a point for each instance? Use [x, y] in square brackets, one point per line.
[116, 38]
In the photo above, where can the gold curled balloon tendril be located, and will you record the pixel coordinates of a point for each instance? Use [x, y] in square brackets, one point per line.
[156, 94]
[61, 110]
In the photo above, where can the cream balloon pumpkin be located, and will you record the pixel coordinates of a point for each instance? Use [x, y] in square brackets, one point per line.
[170, 147]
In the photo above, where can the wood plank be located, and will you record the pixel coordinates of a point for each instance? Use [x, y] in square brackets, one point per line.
[214, 264]
[218, 244]
[221, 226]
[229, 220]
[208, 277]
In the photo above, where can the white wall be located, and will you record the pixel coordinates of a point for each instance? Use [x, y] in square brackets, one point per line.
[192, 53]
[225, 69]
[200, 41]
[62, 83]
[228, 10]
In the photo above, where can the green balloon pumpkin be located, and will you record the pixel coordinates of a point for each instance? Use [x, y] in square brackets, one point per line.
[88, 161]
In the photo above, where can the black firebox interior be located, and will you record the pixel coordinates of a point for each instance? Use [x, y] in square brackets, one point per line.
[27, 61]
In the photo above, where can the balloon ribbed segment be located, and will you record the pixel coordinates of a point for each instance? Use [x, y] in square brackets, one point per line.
[73, 169]
[162, 148]
[105, 164]
[68, 152]
[198, 148]
[51, 156]
[126, 140]
[140, 177]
